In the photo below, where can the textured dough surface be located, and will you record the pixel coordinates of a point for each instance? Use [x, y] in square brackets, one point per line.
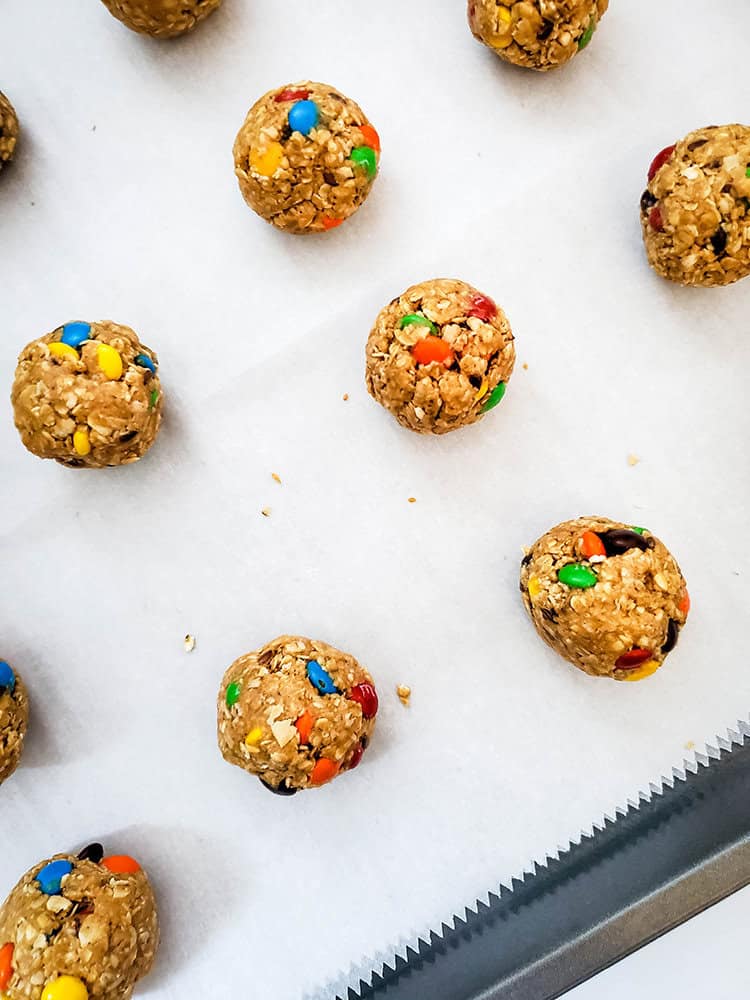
[636, 595]
[56, 397]
[101, 928]
[161, 18]
[695, 212]
[258, 732]
[14, 717]
[8, 130]
[538, 34]
[439, 396]
[304, 183]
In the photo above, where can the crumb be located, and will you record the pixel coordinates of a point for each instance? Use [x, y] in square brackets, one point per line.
[690, 745]
[525, 366]
[346, 396]
[404, 694]
[276, 477]
[93, 128]
[412, 499]
[633, 460]
[266, 512]
[189, 643]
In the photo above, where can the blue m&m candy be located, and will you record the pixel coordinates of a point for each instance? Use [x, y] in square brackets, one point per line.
[145, 362]
[50, 877]
[320, 679]
[7, 678]
[303, 117]
[74, 334]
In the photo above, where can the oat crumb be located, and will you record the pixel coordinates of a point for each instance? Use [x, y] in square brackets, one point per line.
[404, 694]
[690, 745]
[346, 396]
[188, 643]
[525, 366]
[266, 512]
[276, 477]
[412, 499]
[633, 460]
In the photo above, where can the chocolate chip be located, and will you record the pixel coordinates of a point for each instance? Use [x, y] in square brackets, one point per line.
[94, 852]
[719, 242]
[282, 789]
[476, 381]
[365, 742]
[330, 178]
[619, 540]
[526, 559]
[545, 31]
[549, 614]
[673, 634]
[129, 436]
[647, 200]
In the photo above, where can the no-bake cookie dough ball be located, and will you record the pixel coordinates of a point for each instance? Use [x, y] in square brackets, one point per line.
[14, 717]
[306, 157]
[78, 928]
[296, 713]
[88, 395]
[8, 130]
[538, 34]
[695, 212]
[607, 596]
[161, 18]
[439, 356]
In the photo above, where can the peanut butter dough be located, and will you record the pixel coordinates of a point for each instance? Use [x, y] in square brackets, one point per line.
[306, 157]
[88, 395]
[14, 717]
[607, 596]
[695, 212]
[296, 713]
[538, 34]
[161, 18]
[8, 130]
[78, 928]
[439, 356]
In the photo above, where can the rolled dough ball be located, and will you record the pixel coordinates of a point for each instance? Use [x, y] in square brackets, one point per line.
[8, 130]
[161, 18]
[695, 212]
[88, 394]
[607, 596]
[439, 356]
[296, 713]
[14, 717]
[78, 928]
[306, 157]
[538, 34]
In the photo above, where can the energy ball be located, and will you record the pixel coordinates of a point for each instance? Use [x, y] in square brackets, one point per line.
[306, 157]
[8, 130]
[88, 395]
[695, 212]
[607, 596]
[439, 356]
[161, 18]
[78, 928]
[14, 717]
[538, 34]
[296, 713]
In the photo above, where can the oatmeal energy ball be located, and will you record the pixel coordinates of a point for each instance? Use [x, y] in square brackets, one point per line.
[14, 716]
[607, 596]
[78, 928]
[88, 395]
[695, 212]
[539, 34]
[439, 356]
[296, 713]
[8, 130]
[306, 157]
[161, 18]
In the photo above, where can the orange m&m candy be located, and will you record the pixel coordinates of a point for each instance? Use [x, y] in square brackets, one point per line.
[371, 137]
[432, 349]
[304, 726]
[592, 545]
[6, 964]
[324, 770]
[121, 864]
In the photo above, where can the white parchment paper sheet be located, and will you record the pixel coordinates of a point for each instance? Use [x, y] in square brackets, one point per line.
[123, 205]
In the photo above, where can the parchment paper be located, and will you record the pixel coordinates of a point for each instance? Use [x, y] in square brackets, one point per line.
[123, 205]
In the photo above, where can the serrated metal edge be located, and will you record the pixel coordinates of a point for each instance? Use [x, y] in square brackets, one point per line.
[406, 955]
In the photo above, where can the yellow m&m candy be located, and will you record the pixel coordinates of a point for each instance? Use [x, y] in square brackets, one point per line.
[110, 361]
[60, 350]
[65, 988]
[267, 163]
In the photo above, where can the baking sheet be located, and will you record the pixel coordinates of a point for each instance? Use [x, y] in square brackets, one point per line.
[123, 205]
